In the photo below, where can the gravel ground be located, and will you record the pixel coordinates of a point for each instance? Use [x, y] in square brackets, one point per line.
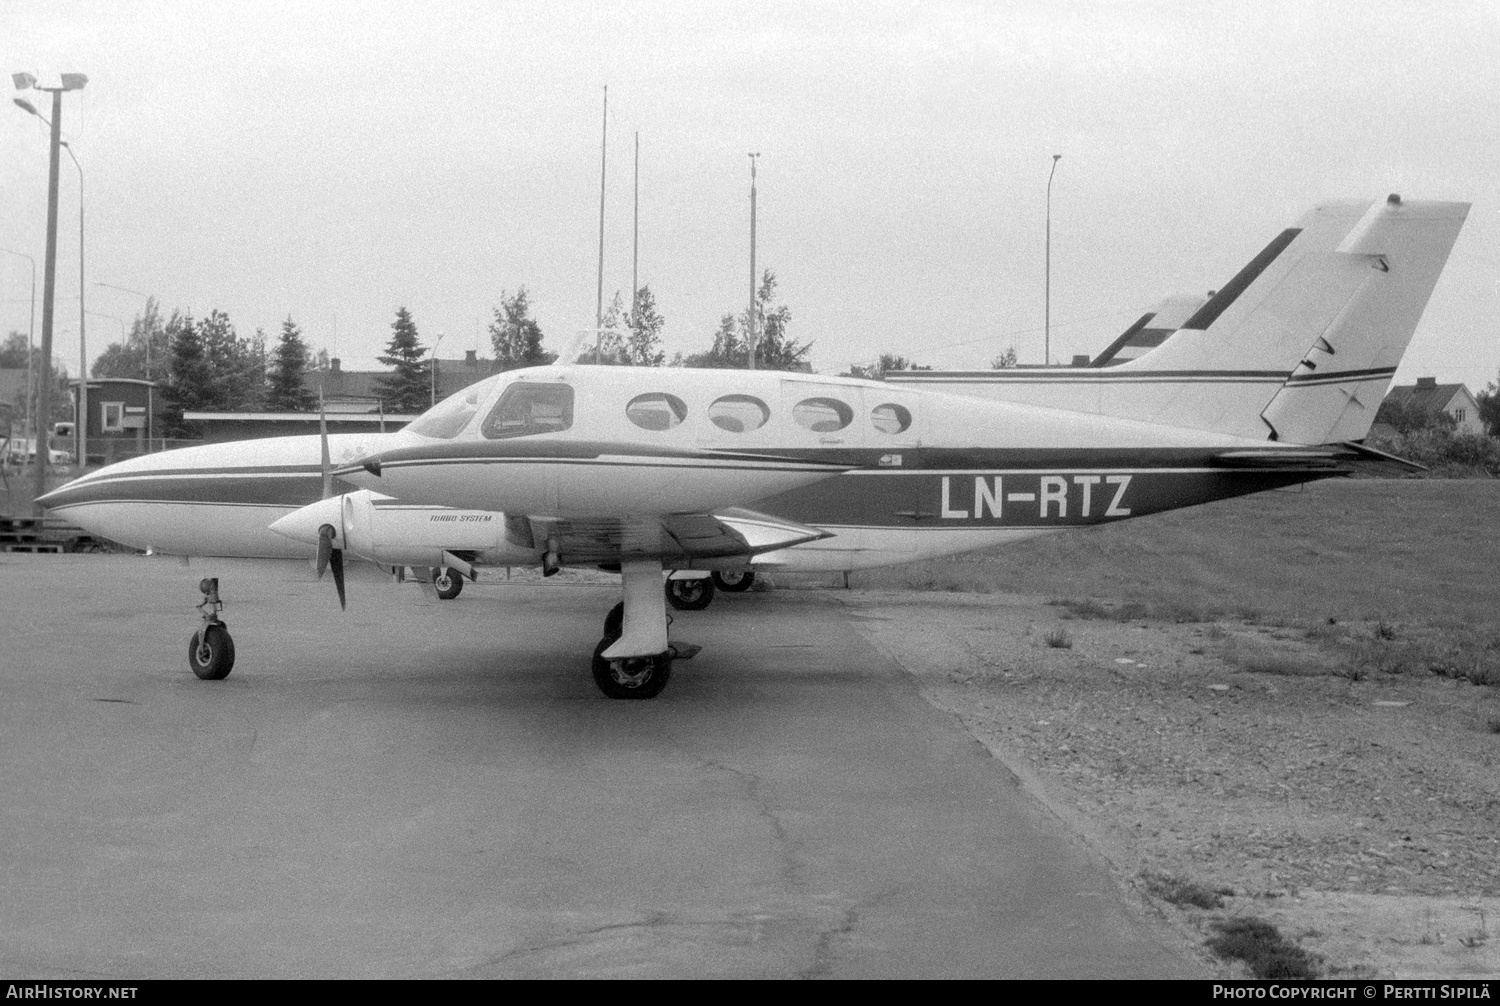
[1361, 817]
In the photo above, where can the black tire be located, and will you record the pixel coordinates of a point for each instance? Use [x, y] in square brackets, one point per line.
[631, 677]
[614, 622]
[211, 652]
[448, 583]
[690, 595]
[735, 581]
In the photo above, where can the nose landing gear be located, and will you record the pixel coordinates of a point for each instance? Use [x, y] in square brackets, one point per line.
[211, 650]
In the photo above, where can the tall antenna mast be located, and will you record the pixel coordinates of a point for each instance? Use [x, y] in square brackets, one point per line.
[750, 349]
[599, 302]
[635, 253]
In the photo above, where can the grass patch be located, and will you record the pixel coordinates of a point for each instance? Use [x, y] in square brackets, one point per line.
[1258, 943]
[1259, 658]
[1059, 639]
[1180, 891]
[1132, 611]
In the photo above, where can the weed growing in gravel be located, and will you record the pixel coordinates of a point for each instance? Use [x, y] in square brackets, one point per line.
[1262, 947]
[1059, 639]
[1180, 891]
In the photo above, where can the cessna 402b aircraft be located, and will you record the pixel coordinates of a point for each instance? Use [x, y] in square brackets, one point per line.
[1270, 382]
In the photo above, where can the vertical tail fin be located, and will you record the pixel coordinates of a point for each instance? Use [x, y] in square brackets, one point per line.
[1332, 303]
[1336, 388]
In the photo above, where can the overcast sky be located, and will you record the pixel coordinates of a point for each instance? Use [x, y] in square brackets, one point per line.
[332, 162]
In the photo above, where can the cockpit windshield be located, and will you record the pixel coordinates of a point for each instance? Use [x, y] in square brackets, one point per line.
[447, 418]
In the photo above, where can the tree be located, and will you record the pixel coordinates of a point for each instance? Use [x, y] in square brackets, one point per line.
[285, 391]
[189, 375]
[13, 352]
[145, 353]
[726, 353]
[407, 387]
[609, 343]
[237, 366]
[515, 336]
[774, 350]
[643, 343]
[885, 365]
[1005, 360]
[13, 357]
[1489, 407]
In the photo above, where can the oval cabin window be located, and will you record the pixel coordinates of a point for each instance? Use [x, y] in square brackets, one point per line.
[822, 415]
[656, 411]
[891, 418]
[739, 413]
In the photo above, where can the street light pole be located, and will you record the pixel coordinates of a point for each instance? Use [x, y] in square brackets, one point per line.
[70, 82]
[26, 424]
[1047, 315]
[433, 368]
[80, 428]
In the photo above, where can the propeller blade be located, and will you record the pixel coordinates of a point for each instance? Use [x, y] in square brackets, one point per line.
[325, 547]
[323, 435]
[337, 562]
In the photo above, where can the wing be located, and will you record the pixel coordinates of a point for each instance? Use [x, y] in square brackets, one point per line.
[678, 540]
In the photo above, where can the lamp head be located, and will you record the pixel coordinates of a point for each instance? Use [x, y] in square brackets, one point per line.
[23, 81]
[74, 81]
[26, 106]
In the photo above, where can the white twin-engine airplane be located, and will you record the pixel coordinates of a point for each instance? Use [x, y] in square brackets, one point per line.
[1269, 382]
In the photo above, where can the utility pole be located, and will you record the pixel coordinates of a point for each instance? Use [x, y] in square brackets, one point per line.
[750, 349]
[635, 251]
[70, 82]
[1047, 315]
[81, 427]
[599, 302]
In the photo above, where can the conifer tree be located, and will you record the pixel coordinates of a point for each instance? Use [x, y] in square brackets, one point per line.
[286, 392]
[406, 388]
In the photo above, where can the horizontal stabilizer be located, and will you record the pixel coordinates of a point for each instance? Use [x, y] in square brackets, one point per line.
[1310, 457]
[1341, 458]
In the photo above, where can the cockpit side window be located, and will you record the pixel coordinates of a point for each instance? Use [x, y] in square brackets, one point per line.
[527, 409]
[447, 418]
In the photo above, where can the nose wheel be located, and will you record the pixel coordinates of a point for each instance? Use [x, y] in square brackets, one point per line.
[211, 650]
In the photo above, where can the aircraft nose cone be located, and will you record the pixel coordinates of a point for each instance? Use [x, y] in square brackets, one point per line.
[302, 525]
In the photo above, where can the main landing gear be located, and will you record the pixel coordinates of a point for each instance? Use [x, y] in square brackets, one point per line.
[634, 659]
[697, 594]
[448, 583]
[211, 650]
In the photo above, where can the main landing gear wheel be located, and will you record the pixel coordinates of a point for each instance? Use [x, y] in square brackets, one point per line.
[690, 595]
[631, 677]
[211, 652]
[447, 582]
[734, 581]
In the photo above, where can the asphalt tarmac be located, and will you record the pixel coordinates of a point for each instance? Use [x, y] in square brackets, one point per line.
[419, 789]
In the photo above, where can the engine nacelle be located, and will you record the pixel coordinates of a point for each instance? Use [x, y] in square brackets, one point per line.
[390, 532]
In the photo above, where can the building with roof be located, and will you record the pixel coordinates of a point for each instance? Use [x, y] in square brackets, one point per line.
[1430, 396]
